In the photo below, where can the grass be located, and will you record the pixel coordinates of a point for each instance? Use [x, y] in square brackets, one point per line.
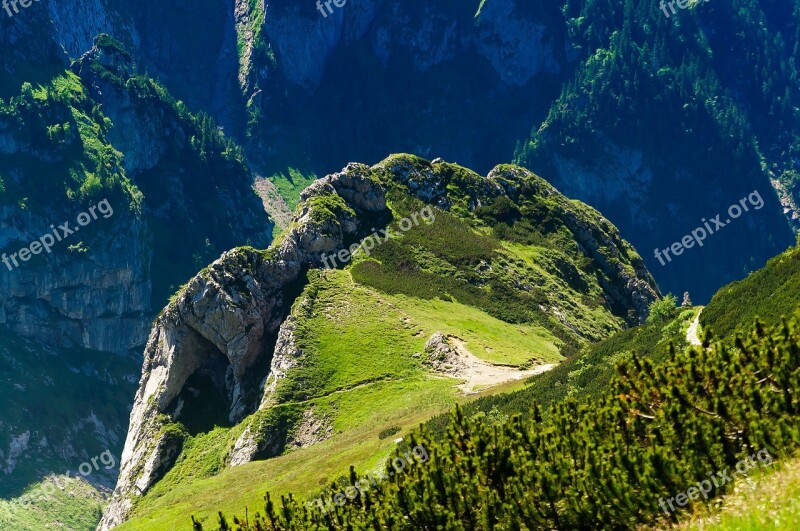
[360, 376]
[765, 294]
[291, 183]
[77, 507]
[585, 374]
[767, 501]
[361, 414]
[486, 337]
[456, 259]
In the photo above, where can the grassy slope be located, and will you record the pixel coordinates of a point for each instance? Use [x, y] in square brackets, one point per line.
[361, 376]
[585, 374]
[49, 385]
[492, 285]
[60, 389]
[767, 500]
[77, 507]
[291, 183]
[765, 294]
[768, 294]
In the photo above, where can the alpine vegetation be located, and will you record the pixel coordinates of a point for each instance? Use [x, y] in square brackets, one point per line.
[378, 237]
[592, 464]
[717, 480]
[360, 487]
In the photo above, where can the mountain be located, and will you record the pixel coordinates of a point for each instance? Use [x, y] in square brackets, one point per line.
[710, 418]
[112, 194]
[140, 141]
[615, 103]
[337, 390]
[254, 356]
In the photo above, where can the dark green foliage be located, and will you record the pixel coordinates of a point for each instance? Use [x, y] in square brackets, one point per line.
[195, 159]
[599, 465]
[717, 82]
[663, 309]
[441, 259]
[764, 294]
[105, 41]
[81, 166]
[553, 248]
[388, 432]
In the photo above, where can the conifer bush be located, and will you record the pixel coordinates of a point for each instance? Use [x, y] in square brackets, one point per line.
[588, 464]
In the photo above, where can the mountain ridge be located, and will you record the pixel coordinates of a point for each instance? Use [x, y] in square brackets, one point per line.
[226, 322]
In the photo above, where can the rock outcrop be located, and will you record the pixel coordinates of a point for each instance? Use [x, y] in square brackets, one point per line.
[97, 300]
[240, 315]
[229, 316]
[627, 287]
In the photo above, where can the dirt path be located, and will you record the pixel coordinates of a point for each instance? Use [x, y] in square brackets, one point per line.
[692, 333]
[480, 375]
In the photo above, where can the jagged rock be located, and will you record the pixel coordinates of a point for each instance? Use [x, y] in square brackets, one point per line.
[287, 356]
[244, 449]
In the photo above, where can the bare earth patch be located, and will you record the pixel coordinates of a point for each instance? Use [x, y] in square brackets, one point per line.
[692, 334]
[449, 355]
[274, 205]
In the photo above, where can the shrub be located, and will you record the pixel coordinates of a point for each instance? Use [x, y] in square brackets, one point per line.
[388, 432]
[601, 464]
[662, 310]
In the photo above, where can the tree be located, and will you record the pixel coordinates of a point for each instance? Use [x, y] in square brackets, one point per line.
[663, 309]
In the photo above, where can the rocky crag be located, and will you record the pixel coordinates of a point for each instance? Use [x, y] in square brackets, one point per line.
[232, 325]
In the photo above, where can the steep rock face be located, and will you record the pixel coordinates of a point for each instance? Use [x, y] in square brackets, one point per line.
[139, 130]
[78, 22]
[351, 59]
[228, 313]
[180, 194]
[97, 300]
[504, 32]
[98, 296]
[303, 39]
